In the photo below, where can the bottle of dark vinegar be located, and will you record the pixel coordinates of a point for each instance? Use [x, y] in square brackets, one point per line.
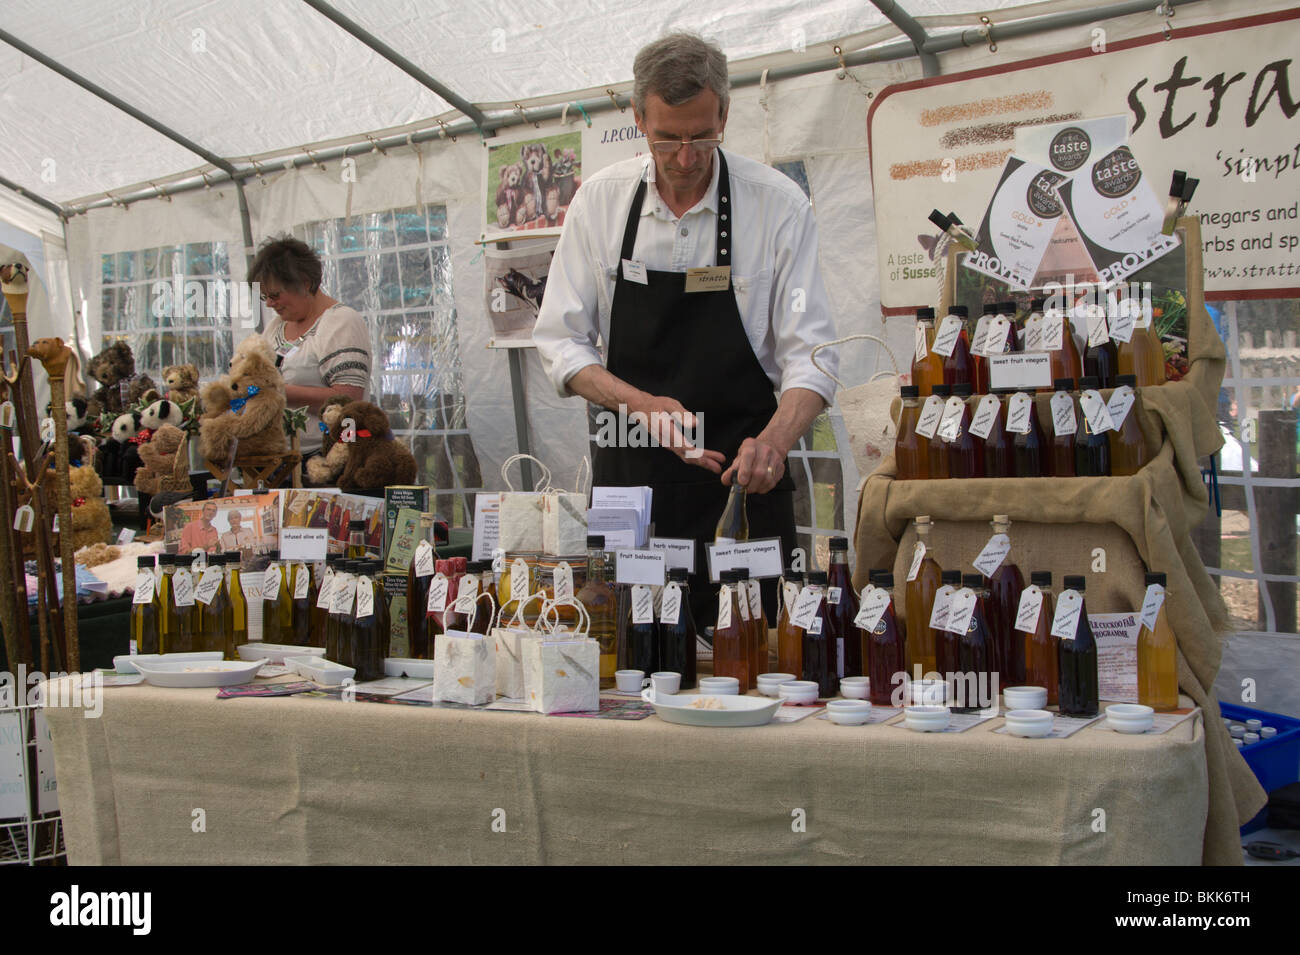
[965, 456]
[936, 447]
[945, 647]
[1002, 603]
[999, 449]
[1041, 648]
[974, 651]
[1033, 457]
[677, 630]
[1091, 448]
[886, 651]
[911, 450]
[303, 599]
[820, 655]
[1077, 658]
[1065, 426]
[959, 367]
[1101, 359]
[842, 607]
[643, 636]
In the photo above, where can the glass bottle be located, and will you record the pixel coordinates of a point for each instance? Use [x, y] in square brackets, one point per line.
[911, 450]
[731, 636]
[453, 619]
[841, 608]
[886, 651]
[1157, 659]
[212, 619]
[1128, 448]
[1003, 603]
[356, 539]
[789, 638]
[642, 638]
[819, 651]
[1077, 660]
[927, 364]
[1064, 428]
[733, 525]
[1091, 451]
[979, 341]
[180, 612]
[758, 643]
[1031, 329]
[1152, 371]
[945, 646]
[965, 458]
[1033, 456]
[366, 655]
[1101, 360]
[277, 604]
[1143, 355]
[238, 604]
[484, 605]
[597, 598]
[1040, 646]
[419, 575]
[677, 640]
[936, 449]
[303, 598]
[999, 451]
[166, 570]
[144, 616]
[320, 606]
[1066, 361]
[341, 602]
[918, 602]
[974, 650]
[959, 367]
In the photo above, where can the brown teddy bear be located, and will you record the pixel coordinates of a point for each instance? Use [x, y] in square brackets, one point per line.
[182, 384]
[120, 387]
[159, 463]
[375, 459]
[324, 469]
[91, 521]
[253, 406]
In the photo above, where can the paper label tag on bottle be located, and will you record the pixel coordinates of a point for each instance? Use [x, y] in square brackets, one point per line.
[1121, 402]
[724, 608]
[1053, 330]
[789, 594]
[920, 349]
[466, 594]
[1123, 323]
[301, 582]
[365, 598]
[643, 604]
[563, 581]
[670, 605]
[993, 554]
[271, 582]
[1063, 418]
[518, 579]
[950, 423]
[815, 627]
[832, 595]
[981, 336]
[918, 555]
[126, 536]
[755, 593]
[1094, 410]
[742, 601]
[1018, 408]
[183, 588]
[995, 338]
[437, 602]
[1098, 328]
[1066, 619]
[47, 430]
[939, 612]
[986, 412]
[945, 339]
[326, 595]
[144, 585]
[962, 610]
[931, 412]
[208, 585]
[344, 590]
[873, 608]
[805, 608]
[1151, 604]
[424, 559]
[498, 561]
[1031, 604]
[1034, 333]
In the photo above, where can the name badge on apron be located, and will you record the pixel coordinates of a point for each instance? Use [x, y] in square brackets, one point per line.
[711, 278]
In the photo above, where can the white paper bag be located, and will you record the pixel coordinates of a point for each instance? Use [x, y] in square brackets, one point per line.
[466, 668]
[520, 513]
[509, 637]
[562, 674]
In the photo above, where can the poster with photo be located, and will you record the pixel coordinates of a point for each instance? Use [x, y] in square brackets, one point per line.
[332, 509]
[249, 524]
[528, 182]
[515, 283]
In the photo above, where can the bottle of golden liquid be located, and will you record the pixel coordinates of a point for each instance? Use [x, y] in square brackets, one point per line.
[166, 570]
[179, 636]
[1143, 355]
[918, 598]
[1040, 646]
[789, 638]
[733, 525]
[749, 591]
[238, 635]
[911, 450]
[356, 539]
[303, 591]
[1157, 655]
[1128, 448]
[212, 606]
[1059, 342]
[277, 602]
[598, 599]
[732, 638]
[927, 364]
[144, 607]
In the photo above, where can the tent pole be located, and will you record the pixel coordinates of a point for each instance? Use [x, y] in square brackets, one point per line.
[28, 194]
[913, 31]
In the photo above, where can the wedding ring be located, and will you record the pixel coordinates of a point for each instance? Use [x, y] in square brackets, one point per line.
[769, 470]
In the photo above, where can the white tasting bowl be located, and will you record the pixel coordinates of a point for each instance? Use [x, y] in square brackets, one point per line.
[1129, 717]
[1029, 723]
[798, 691]
[719, 686]
[855, 687]
[926, 718]
[929, 692]
[1025, 697]
[848, 712]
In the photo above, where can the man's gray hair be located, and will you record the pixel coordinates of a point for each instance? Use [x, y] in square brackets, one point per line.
[676, 68]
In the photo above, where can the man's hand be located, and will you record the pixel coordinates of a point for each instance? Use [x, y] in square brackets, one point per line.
[758, 466]
[665, 419]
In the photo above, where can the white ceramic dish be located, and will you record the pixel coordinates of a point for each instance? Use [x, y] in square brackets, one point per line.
[198, 673]
[734, 711]
[929, 692]
[1130, 717]
[275, 652]
[798, 691]
[1025, 697]
[855, 687]
[406, 666]
[848, 712]
[720, 686]
[1029, 723]
[319, 670]
[126, 664]
[926, 718]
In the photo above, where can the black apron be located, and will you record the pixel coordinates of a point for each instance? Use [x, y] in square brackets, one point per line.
[693, 347]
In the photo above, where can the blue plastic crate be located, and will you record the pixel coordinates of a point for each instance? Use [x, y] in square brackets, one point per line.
[1275, 762]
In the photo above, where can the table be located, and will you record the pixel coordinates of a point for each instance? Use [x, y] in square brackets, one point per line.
[295, 780]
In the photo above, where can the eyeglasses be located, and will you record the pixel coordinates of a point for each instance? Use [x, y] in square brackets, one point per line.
[271, 297]
[666, 147]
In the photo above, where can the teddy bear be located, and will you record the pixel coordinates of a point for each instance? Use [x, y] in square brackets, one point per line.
[119, 456]
[510, 190]
[162, 412]
[375, 458]
[120, 387]
[181, 383]
[252, 403]
[324, 469]
[159, 462]
[91, 521]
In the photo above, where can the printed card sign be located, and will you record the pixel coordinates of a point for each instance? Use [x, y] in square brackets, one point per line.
[1021, 370]
[762, 558]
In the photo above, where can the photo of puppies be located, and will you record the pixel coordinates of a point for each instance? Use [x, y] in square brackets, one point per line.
[530, 184]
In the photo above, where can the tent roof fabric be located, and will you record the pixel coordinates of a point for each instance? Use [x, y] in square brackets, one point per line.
[253, 77]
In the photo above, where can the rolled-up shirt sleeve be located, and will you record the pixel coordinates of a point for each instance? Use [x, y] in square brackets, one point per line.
[568, 324]
[801, 311]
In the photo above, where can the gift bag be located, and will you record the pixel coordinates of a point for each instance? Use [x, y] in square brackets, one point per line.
[564, 517]
[510, 638]
[465, 671]
[865, 407]
[520, 514]
[562, 670]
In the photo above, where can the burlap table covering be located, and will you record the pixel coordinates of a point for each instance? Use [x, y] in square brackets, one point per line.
[1147, 517]
[291, 780]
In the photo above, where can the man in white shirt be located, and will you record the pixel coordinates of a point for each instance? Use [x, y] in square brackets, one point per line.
[718, 343]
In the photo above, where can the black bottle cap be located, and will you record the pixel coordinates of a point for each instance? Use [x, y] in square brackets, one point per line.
[1154, 578]
[1002, 391]
[961, 311]
[166, 560]
[973, 581]
[1008, 307]
[925, 312]
[817, 577]
[274, 555]
[1037, 304]
[791, 574]
[1074, 582]
[939, 219]
[943, 391]
[839, 543]
[679, 575]
[595, 542]
[992, 308]
[232, 557]
[1088, 382]
[742, 573]
[356, 525]
[1041, 578]
[1063, 384]
[727, 577]
[1130, 380]
[910, 391]
[874, 575]
[145, 561]
[950, 577]
[885, 580]
[963, 389]
[216, 560]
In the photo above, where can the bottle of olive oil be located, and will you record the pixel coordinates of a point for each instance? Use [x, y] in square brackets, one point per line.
[277, 602]
[179, 635]
[734, 524]
[356, 539]
[238, 635]
[366, 654]
[212, 606]
[1157, 661]
[166, 570]
[598, 599]
[303, 602]
[144, 607]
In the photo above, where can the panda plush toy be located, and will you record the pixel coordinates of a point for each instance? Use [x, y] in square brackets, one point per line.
[160, 413]
[119, 458]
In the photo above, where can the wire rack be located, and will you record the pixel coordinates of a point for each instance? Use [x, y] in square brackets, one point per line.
[34, 838]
